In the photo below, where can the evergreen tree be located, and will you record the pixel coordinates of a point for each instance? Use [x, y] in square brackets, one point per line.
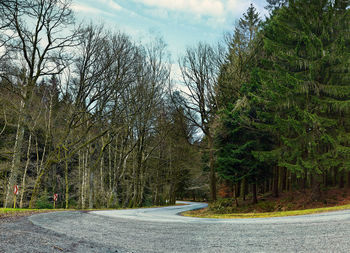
[304, 83]
[273, 5]
[235, 138]
[240, 59]
[236, 144]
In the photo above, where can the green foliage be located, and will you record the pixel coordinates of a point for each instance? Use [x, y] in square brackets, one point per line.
[288, 106]
[226, 206]
[43, 202]
[304, 85]
[240, 60]
[147, 201]
[222, 206]
[73, 204]
[236, 137]
[113, 201]
[266, 206]
[236, 144]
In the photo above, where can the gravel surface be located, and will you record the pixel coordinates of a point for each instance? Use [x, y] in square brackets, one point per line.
[160, 230]
[19, 234]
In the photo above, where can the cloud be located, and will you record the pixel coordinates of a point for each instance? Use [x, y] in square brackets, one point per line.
[107, 7]
[237, 6]
[158, 13]
[201, 7]
[111, 4]
[214, 13]
[87, 9]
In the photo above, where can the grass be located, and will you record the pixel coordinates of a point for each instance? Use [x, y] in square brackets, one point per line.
[205, 213]
[17, 212]
[202, 213]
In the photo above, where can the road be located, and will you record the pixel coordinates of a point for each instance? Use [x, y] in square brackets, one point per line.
[162, 230]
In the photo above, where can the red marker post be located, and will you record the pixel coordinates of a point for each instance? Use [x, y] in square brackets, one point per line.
[55, 197]
[15, 192]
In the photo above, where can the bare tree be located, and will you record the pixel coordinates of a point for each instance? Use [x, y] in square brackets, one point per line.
[92, 131]
[200, 69]
[32, 34]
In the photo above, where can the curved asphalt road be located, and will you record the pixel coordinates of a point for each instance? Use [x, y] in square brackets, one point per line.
[162, 230]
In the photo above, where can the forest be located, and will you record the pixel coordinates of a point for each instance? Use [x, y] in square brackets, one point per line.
[100, 119]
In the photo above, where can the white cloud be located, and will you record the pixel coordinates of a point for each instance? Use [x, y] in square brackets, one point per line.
[238, 7]
[87, 9]
[158, 13]
[201, 7]
[106, 7]
[111, 4]
[214, 12]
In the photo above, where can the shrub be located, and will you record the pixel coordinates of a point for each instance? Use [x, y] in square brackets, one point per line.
[43, 202]
[266, 206]
[222, 206]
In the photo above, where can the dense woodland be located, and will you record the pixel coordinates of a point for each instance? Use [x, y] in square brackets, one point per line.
[98, 118]
[284, 94]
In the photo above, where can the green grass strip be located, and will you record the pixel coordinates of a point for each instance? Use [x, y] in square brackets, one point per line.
[208, 214]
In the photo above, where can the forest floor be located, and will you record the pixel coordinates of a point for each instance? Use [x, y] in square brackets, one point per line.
[287, 204]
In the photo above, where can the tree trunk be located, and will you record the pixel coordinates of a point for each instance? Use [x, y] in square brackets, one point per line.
[275, 182]
[80, 177]
[236, 186]
[335, 175]
[101, 176]
[244, 188]
[255, 198]
[16, 158]
[66, 180]
[110, 169]
[25, 171]
[238, 189]
[84, 177]
[316, 193]
[285, 179]
[212, 175]
[91, 189]
[281, 177]
[305, 180]
[325, 178]
[341, 179]
[39, 171]
[288, 183]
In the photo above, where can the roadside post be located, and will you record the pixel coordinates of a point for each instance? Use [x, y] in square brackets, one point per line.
[15, 192]
[55, 196]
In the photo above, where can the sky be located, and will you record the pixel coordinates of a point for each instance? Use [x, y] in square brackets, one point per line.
[180, 23]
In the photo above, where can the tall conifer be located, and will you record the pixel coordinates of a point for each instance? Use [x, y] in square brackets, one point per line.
[305, 89]
[235, 141]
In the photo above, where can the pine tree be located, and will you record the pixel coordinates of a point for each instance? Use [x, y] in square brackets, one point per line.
[304, 83]
[274, 5]
[235, 139]
[236, 144]
[240, 59]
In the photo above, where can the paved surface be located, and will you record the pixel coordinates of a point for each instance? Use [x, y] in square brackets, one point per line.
[161, 230]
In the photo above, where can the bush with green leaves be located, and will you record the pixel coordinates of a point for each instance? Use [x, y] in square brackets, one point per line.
[43, 202]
